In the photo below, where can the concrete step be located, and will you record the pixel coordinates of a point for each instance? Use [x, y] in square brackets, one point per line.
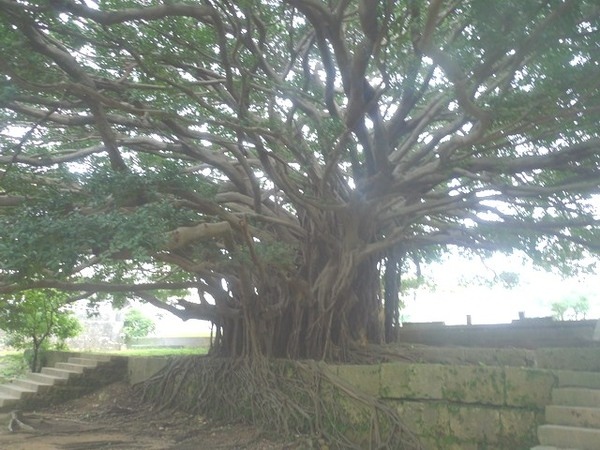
[37, 386]
[6, 401]
[15, 390]
[71, 367]
[11, 393]
[569, 437]
[100, 358]
[572, 378]
[9, 397]
[572, 396]
[577, 416]
[550, 447]
[46, 379]
[88, 362]
[60, 373]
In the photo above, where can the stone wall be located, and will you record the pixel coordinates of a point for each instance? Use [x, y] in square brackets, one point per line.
[140, 368]
[482, 398]
[461, 407]
[451, 407]
[525, 333]
[567, 358]
[170, 342]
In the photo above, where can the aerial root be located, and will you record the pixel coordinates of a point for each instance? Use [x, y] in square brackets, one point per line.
[280, 396]
[16, 424]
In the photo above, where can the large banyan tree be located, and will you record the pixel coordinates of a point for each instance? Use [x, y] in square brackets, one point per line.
[270, 165]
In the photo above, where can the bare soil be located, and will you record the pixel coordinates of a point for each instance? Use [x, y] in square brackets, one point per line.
[113, 418]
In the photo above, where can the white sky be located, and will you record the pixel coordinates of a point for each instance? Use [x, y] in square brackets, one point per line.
[452, 301]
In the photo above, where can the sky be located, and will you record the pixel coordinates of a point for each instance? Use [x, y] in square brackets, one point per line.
[457, 292]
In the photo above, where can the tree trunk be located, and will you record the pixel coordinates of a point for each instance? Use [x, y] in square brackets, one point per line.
[35, 356]
[329, 307]
[391, 280]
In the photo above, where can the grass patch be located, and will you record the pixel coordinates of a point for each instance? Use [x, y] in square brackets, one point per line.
[12, 365]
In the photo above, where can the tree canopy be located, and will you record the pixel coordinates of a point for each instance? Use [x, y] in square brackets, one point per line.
[264, 164]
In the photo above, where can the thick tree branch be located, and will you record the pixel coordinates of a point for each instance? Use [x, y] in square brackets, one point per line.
[95, 287]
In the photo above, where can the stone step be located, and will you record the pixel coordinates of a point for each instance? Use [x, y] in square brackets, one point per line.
[6, 401]
[569, 437]
[550, 447]
[71, 367]
[572, 396]
[577, 416]
[100, 358]
[88, 362]
[15, 390]
[37, 386]
[11, 393]
[46, 379]
[59, 373]
[573, 378]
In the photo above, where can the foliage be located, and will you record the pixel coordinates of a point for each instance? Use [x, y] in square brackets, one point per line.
[574, 308]
[33, 318]
[272, 166]
[504, 279]
[12, 365]
[136, 325]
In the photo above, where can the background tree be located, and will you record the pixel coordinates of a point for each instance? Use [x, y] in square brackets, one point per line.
[136, 325]
[573, 307]
[559, 310]
[262, 164]
[31, 319]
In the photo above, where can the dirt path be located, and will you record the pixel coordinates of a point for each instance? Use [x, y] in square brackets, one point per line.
[113, 419]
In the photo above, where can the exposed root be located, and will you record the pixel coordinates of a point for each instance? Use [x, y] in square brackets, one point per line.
[16, 423]
[283, 397]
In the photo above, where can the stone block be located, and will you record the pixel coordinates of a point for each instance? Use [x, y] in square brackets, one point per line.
[518, 427]
[575, 378]
[460, 446]
[441, 355]
[142, 368]
[365, 378]
[572, 358]
[412, 381]
[427, 419]
[528, 388]
[474, 384]
[514, 357]
[475, 423]
[569, 437]
[448, 443]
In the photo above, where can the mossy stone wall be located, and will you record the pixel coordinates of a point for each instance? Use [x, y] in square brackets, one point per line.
[461, 407]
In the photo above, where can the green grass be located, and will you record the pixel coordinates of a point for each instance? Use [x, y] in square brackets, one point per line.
[12, 365]
[161, 351]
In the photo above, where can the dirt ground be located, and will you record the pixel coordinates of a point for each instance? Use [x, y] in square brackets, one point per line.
[113, 419]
